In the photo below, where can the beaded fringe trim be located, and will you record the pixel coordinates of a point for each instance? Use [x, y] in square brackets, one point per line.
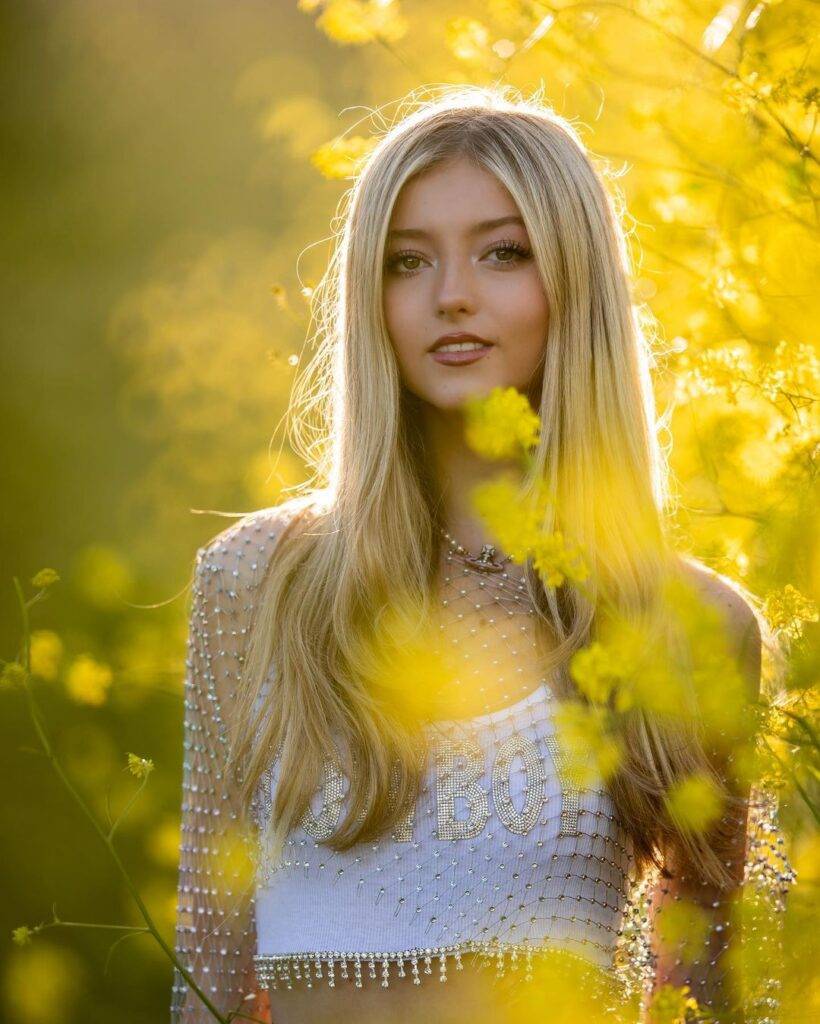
[284, 969]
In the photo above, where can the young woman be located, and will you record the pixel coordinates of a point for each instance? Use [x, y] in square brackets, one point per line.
[375, 686]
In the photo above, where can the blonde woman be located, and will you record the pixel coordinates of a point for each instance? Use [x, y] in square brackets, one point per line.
[375, 684]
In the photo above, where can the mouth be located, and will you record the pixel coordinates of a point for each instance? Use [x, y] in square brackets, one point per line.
[460, 348]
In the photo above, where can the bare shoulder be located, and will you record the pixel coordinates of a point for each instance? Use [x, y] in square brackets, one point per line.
[741, 623]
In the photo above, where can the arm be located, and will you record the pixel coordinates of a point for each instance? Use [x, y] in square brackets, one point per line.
[694, 925]
[215, 931]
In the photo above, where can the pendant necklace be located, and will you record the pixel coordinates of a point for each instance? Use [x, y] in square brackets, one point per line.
[484, 561]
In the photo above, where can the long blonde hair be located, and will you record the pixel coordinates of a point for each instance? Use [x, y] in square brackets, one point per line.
[370, 539]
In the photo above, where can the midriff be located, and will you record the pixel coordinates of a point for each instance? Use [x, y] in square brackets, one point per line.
[473, 995]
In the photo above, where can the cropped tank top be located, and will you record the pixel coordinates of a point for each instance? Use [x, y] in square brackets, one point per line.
[505, 854]
[512, 849]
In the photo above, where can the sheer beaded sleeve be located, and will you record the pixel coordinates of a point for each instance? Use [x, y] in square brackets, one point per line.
[215, 935]
[721, 950]
[702, 952]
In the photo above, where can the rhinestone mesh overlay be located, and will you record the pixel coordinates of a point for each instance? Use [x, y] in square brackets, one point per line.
[503, 856]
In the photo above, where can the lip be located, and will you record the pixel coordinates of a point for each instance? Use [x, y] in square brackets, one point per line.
[459, 358]
[445, 339]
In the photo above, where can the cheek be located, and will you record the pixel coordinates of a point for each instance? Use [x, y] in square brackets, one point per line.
[526, 312]
[532, 305]
[399, 318]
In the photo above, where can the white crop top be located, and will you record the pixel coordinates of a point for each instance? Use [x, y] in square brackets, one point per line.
[502, 852]
[508, 852]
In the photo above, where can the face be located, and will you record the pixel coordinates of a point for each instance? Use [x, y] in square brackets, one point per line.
[448, 269]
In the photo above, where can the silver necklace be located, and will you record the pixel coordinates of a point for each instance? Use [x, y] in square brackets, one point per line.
[484, 561]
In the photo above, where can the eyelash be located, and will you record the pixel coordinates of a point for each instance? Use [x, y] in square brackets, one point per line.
[393, 261]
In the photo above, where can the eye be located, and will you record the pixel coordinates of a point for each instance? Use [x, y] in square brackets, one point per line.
[398, 262]
[517, 250]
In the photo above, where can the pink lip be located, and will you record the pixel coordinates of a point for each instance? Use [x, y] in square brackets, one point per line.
[445, 339]
[460, 358]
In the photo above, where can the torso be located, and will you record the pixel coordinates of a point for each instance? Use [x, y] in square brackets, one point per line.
[500, 691]
[473, 995]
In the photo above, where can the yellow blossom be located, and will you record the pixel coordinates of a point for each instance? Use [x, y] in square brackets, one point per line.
[788, 609]
[46, 651]
[723, 370]
[140, 766]
[401, 661]
[88, 680]
[585, 737]
[794, 371]
[672, 1005]
[356, 22]
[22, 936]
[467, 38]
[500, 425]
[694, 803]
[43, 977]
[103, 576]
[683, 928]
[342, 158]
[629, 667]
[44, 578]
[516, 524]
[592, 670]
[556, 560]
[13, 674]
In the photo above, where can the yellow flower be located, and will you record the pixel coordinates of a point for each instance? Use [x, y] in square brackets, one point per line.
[584, 736]
[592, 670]
[103, 576]
[13, 674]
[501, 424]
[140, 766]
[556, 561]
[342, 158]
[683, 928]
[788, 609]
[22, 936]
[45, 654]
[694, 803]
[467, 38]
[672, 1005]
[88, 680]
[44, 578]
[354, 22]
[514, 523]
[400, 660]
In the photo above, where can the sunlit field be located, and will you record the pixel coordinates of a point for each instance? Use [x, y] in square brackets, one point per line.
[172, 180]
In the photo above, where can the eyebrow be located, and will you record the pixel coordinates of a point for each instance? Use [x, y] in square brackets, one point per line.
[476, 229]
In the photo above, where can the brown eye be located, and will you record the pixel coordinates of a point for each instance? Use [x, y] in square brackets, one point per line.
[396, 263]
[517, 251]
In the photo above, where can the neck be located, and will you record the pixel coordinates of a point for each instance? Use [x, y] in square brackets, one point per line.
[456, 469]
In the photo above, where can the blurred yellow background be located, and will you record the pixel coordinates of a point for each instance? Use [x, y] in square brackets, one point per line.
[171, 174]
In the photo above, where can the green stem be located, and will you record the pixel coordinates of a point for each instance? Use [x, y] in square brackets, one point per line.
[44, 740]
[83, 924]
[127, 808]
[797, 783]
[804, 725]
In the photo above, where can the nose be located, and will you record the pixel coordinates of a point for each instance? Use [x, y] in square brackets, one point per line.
[456, 288]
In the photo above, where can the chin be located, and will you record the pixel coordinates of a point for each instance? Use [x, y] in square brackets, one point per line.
[457, 395]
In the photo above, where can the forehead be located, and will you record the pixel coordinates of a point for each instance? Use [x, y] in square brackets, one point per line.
[459, 195]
